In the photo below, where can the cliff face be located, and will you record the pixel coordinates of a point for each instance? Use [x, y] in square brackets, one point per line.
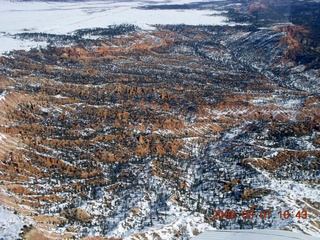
[145, 134]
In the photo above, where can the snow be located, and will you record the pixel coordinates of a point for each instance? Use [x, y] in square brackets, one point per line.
[289, 194]
[60, 96]
[66, 17]
[63, 17]
[43, 109]
[179, 219]
[270, 153]
[1, 136]
[4, 93]
[8, 44]
[10, 225]
[277, 101]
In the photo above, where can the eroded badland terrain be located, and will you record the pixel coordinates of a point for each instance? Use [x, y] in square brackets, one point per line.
[142, 134]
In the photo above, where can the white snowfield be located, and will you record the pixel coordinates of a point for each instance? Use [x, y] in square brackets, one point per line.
[252, 235]
[65, 17]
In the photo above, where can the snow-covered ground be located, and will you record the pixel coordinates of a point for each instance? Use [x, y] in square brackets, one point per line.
[65, 17]
[289, 194]
[8, 43]
[10, 225]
